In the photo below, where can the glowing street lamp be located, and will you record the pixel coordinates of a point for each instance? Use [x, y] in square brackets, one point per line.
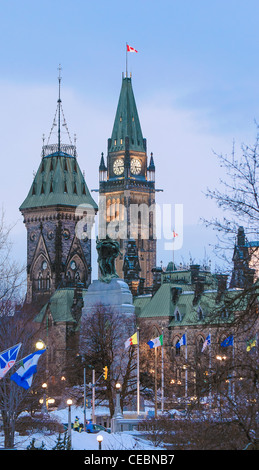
[40, 344]
[118, 412]
[69, 403]
[45, 407]
[100, 439]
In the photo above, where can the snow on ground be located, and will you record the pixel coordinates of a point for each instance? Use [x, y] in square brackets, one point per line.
[83, 441]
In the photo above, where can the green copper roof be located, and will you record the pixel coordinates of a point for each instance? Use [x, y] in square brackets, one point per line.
[206, 310]
[58, 181]
[127, 122]
[60, 305]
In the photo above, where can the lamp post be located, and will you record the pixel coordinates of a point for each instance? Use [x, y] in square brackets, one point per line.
[44, 406]
[100, 439]
[220, 358]
[69, 403]
[118, 412]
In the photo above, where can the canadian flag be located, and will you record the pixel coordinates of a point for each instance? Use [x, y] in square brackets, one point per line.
[131, 49]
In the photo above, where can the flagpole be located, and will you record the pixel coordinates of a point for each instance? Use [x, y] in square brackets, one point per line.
[210, 396]
[162, 373]
[233, 368]
[186, 369]
[93, 396]
[126, 61]
[155, 382]
[138, 397]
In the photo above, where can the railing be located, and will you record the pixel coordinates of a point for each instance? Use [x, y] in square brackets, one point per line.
[54, 148]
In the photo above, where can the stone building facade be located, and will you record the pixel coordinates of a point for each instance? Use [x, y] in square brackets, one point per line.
[194, 304]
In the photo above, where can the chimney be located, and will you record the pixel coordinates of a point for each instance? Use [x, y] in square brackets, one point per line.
[249, 276]
[175, 294]
[222, 285]
[195, 268]
[198, 290]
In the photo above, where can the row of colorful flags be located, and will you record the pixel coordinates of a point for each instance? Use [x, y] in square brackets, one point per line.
[28, 365]
[158, 341]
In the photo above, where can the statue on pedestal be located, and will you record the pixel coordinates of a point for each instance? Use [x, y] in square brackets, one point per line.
[108, 250]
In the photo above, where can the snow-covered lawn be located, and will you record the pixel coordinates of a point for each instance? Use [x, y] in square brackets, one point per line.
[83, 440]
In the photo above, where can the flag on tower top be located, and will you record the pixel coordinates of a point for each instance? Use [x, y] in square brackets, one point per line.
[131, 49]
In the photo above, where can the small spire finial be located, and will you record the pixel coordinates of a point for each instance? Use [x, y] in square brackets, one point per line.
[59, 72]
[59, 102]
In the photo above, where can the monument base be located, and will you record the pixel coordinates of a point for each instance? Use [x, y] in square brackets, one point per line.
[114, 294]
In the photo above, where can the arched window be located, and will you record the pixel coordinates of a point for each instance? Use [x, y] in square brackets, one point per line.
[177, 315]
[200, 313]
[48, 282]
[40, 281]
[200, 344]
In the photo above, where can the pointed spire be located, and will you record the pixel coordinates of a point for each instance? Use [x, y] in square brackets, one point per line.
[58, 146]
[102, 170]
[151, 163]
[151, 169]
[102, 166]
[126, 123]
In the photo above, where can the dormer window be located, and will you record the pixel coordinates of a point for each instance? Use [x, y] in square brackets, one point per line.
[224, 314]
[200, 313]
[177, 315]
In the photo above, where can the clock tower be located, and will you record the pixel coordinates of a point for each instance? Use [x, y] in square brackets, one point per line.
[127, 186]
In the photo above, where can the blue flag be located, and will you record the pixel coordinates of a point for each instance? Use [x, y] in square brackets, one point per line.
[8, 358]
[181, 342]
[24, 375]
[228, 341]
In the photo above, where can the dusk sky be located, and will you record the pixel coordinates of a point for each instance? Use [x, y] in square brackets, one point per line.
[195, 80]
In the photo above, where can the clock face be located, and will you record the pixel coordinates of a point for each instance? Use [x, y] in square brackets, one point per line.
[135, 166]
[118, 166]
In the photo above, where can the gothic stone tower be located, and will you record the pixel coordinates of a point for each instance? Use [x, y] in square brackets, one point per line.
[56, 257]
[127, 182]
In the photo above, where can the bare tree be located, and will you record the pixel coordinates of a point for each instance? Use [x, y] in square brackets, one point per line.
[237, 196]
[15, 326]
[103, 333]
